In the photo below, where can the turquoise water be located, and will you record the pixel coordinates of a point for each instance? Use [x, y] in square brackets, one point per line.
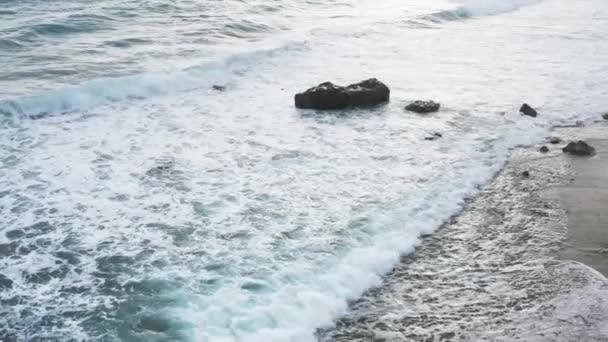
[137, 203]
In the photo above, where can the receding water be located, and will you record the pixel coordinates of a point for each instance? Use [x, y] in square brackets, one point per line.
[137, 203]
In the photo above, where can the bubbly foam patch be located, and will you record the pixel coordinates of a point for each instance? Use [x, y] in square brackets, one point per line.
[475, 8]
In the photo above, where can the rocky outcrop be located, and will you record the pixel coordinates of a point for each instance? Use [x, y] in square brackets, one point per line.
[544, 149]
[579, 148]
[527, 110]
[423, 107]
[328, 96]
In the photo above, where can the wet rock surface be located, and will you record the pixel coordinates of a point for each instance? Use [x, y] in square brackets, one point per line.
[328, 96]
[423, 107]
[579, 148]
[555, 140]
[433, 136]
[526, 109]
[544, 149]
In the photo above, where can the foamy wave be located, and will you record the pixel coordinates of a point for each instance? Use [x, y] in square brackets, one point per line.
[107, 90]
[473, 8]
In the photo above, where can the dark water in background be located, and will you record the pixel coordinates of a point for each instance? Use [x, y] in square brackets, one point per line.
[139, 204]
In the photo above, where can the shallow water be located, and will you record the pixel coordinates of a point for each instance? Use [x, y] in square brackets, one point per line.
[139, 204]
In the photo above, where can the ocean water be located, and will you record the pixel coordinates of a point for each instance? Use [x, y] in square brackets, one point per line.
[137, 203]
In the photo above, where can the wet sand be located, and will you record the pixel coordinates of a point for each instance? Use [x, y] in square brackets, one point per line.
[513, 265]
[585, 201]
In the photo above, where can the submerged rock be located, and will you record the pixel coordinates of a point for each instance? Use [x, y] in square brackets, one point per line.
[544, 149]
[328, 96]
[527, 110]
[579, 148]
[219, 87]
[555, 140]
[423, 107]
[435, 136]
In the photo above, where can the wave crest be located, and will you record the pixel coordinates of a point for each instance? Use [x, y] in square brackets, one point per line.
[475, 8]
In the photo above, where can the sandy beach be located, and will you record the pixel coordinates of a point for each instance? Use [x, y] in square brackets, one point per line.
[585, 201]
[522, 261]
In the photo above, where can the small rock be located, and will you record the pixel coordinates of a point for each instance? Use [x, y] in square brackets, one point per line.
[605, 116]
[525, 174]
[328, 96]
[423, 107]
[544, 149]
[579, 148]
[555, 140]
[527, 110]
[435, 136]
[219, 87]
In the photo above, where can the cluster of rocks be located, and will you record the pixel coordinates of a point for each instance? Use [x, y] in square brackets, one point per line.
[371, 92]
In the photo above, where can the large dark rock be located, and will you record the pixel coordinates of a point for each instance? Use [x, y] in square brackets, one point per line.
[423, 107]
[544, 149]
[605, 116]
[527, 110]
[579, 148]
[328, 96]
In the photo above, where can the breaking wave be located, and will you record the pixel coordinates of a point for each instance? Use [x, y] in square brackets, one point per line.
[475, 8]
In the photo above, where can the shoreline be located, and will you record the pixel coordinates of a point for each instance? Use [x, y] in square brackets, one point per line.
[516, 263]
[585, 200]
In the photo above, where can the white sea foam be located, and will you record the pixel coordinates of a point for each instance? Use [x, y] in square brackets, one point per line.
[491, 7]
[232, 216]
[102, 91]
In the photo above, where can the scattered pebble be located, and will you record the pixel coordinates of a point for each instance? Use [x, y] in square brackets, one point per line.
[525, 174]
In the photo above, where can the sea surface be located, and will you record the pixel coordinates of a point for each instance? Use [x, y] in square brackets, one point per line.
[137, 203]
